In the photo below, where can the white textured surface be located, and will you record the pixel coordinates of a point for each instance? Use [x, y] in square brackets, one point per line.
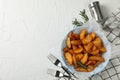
[30, 28]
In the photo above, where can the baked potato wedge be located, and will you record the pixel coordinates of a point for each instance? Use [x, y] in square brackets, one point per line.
[97, 42]
[89, 46]
[74, 61]
[93, 35]
[103, 49]
[96, 58]
[95, 52]
[96, 64]
[79, 56]
[90, 68]
[85, 58]
[68, 57]
[82, 34]
[87, 39]
[81, 69]
[94, 48]
[75, 42]
[68, 42]
[79, 50]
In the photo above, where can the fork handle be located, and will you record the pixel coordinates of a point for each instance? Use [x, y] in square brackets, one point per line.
[68, 72]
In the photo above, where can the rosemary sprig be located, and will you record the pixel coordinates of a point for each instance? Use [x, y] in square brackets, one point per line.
[81, 65]
[84, 16]
[80, 23]
[76, 23]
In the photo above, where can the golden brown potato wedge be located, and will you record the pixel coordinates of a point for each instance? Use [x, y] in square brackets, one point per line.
[90, 68]
[80, 46]
[75, 42]
[93, 62]
[97, 42]
[87, 39]
[81, 69]
[79, 50]
[66, 49]
[71, 51]
[94, 48]
[103, 49]
[93, 35]
[82, 34]
[68, 42]
[76, 36]
[96, 64]
[68, 57]
[85, 58]
[79, 56]
[97, 58]
[70, 34]
[74, 47]
[89, 46]
[74, 61]
[95, 52]
[90, 63]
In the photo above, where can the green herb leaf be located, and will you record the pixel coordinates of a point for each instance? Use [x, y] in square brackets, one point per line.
[81, 65]
[84, 16]
[76, 23]
[80, 23]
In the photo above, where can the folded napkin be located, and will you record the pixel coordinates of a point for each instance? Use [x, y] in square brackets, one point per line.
[111, 71]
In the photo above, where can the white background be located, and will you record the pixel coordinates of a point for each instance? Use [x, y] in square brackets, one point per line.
[29, 29]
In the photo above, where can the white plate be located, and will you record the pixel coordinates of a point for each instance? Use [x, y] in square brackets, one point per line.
[95, 28]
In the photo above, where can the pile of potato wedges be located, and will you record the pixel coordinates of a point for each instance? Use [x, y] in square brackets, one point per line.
[84, 51]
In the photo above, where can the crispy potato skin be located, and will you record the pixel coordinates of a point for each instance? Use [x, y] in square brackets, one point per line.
[82, 34]
[81, 69]
[96, 64]
[93, 34]
[97, 58]
[76, 42]
[94, 48]
[68, 57]
[95, 52]
[84, 51]
[90, 63]
[79, 56]
[90, 68]
[79, 50]
[66, 49]
[85, 58]
[74, 47]
[74, 60]
[68, 43]
[89, 46]
[97, 42]
[103, 49]
[71, 51]
[87, 39]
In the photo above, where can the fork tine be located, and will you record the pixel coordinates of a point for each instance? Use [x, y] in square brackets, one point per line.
[51, 72]
[56, 73]
[52, 58]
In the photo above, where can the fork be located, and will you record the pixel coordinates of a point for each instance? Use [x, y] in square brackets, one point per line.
[57, 73]
[58, 63]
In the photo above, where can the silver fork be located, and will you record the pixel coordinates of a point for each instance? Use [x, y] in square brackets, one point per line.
[56, 73]
[58, 63]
